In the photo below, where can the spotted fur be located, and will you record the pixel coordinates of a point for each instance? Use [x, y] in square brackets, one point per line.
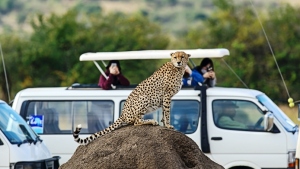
[154, 92]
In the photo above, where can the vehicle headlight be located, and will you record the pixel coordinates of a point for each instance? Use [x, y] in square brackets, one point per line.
[291, 159]
[26, 165]
[11, 165]
[49, 164]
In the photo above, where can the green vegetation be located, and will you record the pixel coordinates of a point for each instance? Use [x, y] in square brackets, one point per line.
[237, 28]
[47, 53]
[50, 55]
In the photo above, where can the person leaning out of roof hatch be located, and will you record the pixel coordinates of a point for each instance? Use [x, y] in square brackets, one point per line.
[114, 74]
[193, 77]
[206, 69]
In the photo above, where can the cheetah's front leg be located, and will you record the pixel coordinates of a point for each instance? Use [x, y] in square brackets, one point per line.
[140, 121]
[166, 112]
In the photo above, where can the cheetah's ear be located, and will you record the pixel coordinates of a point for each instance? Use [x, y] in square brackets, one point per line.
[188, 55]
[171, 53]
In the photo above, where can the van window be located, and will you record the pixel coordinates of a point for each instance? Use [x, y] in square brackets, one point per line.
[61, 117]
[184, 115]
[237, 114]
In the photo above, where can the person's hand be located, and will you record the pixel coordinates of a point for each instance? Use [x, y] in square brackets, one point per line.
[206, 75]
[188, 70]
[212, 74]
[114, 70]
[117, 70]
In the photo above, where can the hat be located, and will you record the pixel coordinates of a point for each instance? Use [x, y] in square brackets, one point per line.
[229, 104]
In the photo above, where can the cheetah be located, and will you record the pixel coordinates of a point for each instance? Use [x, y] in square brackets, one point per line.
[154, 92]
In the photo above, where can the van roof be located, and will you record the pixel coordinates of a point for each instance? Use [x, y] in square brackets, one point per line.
[63, 92]
[153, 54]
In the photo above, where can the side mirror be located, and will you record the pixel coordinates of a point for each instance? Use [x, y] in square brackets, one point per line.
[268, 121]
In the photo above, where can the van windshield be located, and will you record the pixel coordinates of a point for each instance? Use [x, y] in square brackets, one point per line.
[278, 113]
[14, 127]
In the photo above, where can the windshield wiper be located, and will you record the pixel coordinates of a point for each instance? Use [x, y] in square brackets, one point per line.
[22, 142]
[37, 139]
[27, 140]
[295, 128]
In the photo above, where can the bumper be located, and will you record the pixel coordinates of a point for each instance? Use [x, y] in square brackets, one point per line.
[50, 163]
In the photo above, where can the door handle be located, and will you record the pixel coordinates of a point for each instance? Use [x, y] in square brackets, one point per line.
[216, 138]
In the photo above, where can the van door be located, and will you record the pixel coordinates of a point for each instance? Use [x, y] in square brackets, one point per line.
[4, 155]
[236, 134]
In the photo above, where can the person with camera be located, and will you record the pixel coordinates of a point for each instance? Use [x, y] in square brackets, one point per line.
[202, 74]
[115, 77]
[207, 66]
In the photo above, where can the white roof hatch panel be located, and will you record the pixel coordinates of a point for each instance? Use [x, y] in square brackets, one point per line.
[153, 54]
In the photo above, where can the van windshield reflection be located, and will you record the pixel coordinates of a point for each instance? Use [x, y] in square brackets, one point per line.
[286, 122]
[14, 127]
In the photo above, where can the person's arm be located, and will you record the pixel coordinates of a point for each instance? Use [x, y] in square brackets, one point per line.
[106, 83]
[184, 82]
[100, 80]
[226, 122]
[123, 80]
[212, 82]
[197, 77]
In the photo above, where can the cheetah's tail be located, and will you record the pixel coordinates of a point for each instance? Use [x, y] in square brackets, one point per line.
[87, 140]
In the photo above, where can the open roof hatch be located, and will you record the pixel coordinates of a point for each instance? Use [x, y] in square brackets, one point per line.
[149, 54]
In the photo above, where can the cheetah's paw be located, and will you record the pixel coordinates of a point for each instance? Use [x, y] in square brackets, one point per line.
[169, 126]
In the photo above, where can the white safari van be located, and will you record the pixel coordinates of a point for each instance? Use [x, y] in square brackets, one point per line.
[20, 146]
[267, 140]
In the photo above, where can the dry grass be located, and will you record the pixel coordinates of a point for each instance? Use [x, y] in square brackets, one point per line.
[122, 6]
[130, 6]
[292, 2]
[292, 113]
[126, 6]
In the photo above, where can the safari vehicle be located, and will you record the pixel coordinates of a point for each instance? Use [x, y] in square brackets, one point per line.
[20, 146]
[268, 141]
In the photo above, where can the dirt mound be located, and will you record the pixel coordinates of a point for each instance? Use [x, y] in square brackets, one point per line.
[141, 147]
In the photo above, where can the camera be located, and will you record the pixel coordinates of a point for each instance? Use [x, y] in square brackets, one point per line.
[209, 69]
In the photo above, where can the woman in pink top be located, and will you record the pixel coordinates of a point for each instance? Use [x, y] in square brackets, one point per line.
[115, 77]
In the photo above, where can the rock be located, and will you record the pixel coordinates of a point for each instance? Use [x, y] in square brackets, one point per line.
[141, 147]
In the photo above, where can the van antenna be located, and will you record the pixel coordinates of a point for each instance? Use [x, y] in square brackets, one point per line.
[290, 100]
[7, 86]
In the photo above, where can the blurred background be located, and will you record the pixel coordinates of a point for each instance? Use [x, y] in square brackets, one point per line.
[41, 40]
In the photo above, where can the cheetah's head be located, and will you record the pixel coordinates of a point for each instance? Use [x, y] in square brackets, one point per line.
[179, 59]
